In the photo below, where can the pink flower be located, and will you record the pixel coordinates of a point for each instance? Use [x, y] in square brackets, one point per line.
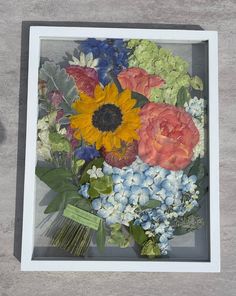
[167, 136]
[55, 97]
[85, 78]
[138, 80]
[60, 114]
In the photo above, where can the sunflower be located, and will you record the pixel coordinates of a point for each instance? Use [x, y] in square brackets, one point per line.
[107, 118]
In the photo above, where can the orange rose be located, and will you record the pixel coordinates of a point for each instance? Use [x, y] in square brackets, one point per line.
[138, 80]
[167, 136]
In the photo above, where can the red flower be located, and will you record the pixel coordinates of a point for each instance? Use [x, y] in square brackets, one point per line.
[123, 156]
[138, 80]
[85, 78]
[167, 136]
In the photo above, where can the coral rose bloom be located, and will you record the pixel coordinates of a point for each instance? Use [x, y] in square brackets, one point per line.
[138, 80]
[167, 136]
[85, 78]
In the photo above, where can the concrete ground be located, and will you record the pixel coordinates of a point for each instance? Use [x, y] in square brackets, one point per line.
[217, 15]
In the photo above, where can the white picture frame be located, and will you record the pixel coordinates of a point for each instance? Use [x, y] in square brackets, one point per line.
[38, 33]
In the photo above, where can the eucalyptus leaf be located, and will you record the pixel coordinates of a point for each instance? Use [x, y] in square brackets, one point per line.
[101, 237]
[57, 79]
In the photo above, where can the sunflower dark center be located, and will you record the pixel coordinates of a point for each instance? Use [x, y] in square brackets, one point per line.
[107, 118]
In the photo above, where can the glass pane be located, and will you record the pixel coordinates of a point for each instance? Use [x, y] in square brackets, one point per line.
[153, 138]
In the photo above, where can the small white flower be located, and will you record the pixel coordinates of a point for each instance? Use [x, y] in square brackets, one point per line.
[95, 172]
[84, 60]
[60, 131]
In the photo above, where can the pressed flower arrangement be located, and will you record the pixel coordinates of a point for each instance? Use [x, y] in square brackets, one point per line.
[121, 140]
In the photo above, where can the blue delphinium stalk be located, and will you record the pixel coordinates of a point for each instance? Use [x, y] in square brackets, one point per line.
[112, 54]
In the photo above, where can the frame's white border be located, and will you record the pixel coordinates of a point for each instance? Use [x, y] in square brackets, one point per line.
[177, 36]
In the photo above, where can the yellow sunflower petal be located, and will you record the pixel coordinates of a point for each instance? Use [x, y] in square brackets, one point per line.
[125, 101]
[83, 107]
[80, 121]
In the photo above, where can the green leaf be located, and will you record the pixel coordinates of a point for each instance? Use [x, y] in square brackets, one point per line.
[93, 193]
[140, 99]
[82, 203]
[41, 171]
[57, 79]
[138, 234]
[150, 249]
[58, 179]
[101, 185]
[196, 83]
[118, 237]
[83, 217]
[151, 204]
[101, 237]
[60, 201]
[59, 143]
[98, 162]
[198, 169]
[182, 96]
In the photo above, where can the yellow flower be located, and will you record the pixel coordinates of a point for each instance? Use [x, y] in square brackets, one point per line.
[106, 119]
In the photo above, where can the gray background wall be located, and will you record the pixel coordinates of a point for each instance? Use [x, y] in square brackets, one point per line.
[211, 15]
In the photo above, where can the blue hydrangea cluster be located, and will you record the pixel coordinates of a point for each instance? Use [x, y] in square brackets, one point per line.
[112, 54]
[135, 185]
[155, 223]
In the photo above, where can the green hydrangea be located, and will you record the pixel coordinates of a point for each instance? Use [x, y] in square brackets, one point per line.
[160, 61]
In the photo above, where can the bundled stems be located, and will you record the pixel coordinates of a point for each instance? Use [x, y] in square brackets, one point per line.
[70, 236]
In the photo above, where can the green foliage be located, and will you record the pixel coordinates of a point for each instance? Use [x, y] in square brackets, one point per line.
[61, 200]
[188, 223]
[138, 234]
[103, 185]
[197, 169]
[77, 165]
[182, 96]
[58, 179]
[141, 99]
[59, 143]
[160, 61]
[81, 216]
[82, 203]
[196, 83]
[151, 204]
[150, 249]
[101, 237]
[118, 237]
[57, 79]
[98, 162]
